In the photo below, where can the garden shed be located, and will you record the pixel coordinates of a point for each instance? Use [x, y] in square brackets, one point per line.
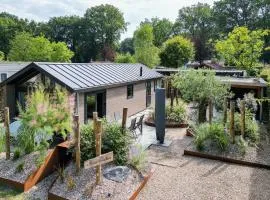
[102, 87]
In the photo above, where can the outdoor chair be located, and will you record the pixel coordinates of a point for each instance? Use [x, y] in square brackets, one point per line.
[139, 124]
[133, 127]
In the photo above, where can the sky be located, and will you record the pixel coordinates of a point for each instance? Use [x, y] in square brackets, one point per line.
[134, 11]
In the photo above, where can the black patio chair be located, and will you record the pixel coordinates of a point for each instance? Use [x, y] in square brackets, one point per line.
[133, 127]
[139, 124]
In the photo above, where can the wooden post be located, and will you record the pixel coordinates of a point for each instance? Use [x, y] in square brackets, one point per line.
[7, 122]
[210, 111]
[225, 105]
[243, 112]
[232, 108]
[98, 133]
[124, 118]
[77, 143]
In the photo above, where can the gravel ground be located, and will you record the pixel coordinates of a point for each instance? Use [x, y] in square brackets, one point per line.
[185, 177]
[8, 167]
[85, 186]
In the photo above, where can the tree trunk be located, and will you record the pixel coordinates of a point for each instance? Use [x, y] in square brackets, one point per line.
[202, 113]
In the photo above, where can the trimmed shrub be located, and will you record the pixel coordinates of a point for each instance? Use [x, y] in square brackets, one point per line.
[211, 132]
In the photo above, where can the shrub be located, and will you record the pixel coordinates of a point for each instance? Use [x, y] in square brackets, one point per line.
[2, 139]
[87, 142]
[177, 113]
[242, 145]
[113, 139]
[117, 141]
[17, 154]
[125, 58]
[20, 167]
[138, 158]
[211, 132]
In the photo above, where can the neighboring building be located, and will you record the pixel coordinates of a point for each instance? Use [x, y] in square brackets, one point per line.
[102, 87]
[7, 69]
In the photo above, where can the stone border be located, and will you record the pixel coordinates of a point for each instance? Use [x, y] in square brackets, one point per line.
[52, 196]
[167, 125]
[225, 159]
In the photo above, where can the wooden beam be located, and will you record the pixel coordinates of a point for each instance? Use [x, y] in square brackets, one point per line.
[124, 118]
[98, 134]
[7, 122]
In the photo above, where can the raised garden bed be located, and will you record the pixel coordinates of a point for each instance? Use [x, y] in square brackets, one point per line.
[168, 124]
[255, 156]
[84, 186]
[30, 175]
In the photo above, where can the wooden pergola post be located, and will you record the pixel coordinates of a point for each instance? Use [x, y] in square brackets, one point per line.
[225, 109]
[98, 134]
[124, 118]
[243, 112]
[77, 143]
[232, 109]
[7, 122]
[210, 111]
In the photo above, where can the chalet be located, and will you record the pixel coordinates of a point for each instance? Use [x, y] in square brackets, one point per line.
[102, 87]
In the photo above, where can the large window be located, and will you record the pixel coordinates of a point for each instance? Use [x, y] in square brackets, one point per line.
[130, 91]
[3, 76]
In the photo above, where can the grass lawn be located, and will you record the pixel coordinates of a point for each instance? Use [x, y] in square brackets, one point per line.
[8, 194]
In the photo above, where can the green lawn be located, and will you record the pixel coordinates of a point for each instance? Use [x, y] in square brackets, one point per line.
[10, 194]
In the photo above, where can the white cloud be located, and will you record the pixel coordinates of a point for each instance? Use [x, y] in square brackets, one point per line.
[134, 11]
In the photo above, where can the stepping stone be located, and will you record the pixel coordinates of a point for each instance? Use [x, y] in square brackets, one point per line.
[118, 174]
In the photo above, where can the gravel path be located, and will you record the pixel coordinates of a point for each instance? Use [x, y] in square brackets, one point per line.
[185, 177]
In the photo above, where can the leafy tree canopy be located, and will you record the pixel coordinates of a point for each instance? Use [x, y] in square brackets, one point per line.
[125, 58]
[145, 51]
[200, 86]
[176, 52]
[25, 47]
[127, 46]
[242, 48]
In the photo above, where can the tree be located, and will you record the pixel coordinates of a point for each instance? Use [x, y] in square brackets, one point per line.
[162, 29]
[2, 56]
[127, 46]
[242, 48]
[145, 51]
[125, 58]
[197, 23]
[104, 25]
[25, 47]
[231, 13]
[176, 52]
[200, 86]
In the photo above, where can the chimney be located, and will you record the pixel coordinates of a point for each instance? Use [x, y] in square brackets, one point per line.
[140, 71]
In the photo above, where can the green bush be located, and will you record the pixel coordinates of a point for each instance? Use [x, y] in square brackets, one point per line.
[211, 132]
[26, 139]
[117, 141]
[87, 142]
[125, 58]
[2, 139]
[17, 154]
[113, 139]
[20, 167]
[177, 113]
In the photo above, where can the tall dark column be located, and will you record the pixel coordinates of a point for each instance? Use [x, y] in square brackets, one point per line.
[160, 114]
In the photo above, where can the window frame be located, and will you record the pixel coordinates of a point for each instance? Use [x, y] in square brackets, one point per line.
[1, 76]
[130, 86]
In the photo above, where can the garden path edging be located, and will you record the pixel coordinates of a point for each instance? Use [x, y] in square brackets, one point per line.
[225, 159]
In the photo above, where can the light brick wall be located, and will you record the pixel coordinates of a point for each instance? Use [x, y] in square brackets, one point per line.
[117, 100]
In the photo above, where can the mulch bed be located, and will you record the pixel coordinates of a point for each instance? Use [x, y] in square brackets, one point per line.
[85, 187]
[168, 124]
[256, 156]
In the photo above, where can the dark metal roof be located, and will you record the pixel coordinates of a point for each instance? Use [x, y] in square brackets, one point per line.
[85, 76]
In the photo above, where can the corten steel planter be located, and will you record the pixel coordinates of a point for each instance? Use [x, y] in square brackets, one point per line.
[53, 159]
[150, 122]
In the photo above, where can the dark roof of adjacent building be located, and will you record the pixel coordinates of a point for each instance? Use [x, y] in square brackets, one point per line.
[88, 76]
